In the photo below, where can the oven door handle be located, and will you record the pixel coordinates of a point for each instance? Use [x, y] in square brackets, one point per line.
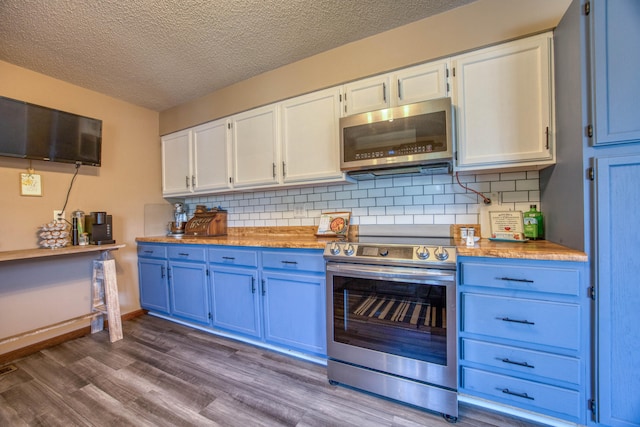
[389, 272]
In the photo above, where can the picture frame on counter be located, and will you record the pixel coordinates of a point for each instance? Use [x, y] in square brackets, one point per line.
[334, 224]
[507, 226]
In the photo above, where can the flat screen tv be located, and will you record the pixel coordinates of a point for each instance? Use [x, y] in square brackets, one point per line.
[31, 131]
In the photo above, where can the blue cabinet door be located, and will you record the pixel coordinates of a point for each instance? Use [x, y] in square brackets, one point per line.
[295, 311]
[618, 292]
[189, 291]
[615, 63]
[154, 289]
[235, 299]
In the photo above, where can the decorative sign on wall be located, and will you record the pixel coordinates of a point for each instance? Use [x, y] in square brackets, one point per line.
[30, 184]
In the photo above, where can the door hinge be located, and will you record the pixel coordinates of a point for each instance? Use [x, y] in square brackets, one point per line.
[453, 71]
[591, 173]
[455, 155]
[207, 270]
[587, 8]
[230, 180]
[228, 125]
[447, 87]
[593, 407]
[590, 131]
[592, 292]
[446, 72]
[209, 316]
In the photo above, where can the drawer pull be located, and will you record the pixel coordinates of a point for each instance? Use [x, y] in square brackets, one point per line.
[510, 279]
[513, 393]
[511, 362]
[507, 319]
[289, 262]
[230, 258]
[148, 252]
[183, 254]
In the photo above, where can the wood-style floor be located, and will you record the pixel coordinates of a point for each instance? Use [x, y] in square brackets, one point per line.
[165, 374]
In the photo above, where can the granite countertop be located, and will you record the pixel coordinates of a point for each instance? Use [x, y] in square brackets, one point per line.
[303, 237]
[533, 249]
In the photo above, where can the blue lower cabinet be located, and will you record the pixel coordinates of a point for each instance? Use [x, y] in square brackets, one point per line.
[272, 296]
[154, 286]
[189, 291]
[524, 340]
[235, 300]
[295, 311]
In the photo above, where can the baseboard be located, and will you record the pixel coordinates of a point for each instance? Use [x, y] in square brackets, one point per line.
[50, 342]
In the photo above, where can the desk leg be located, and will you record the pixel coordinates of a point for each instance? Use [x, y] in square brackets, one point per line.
[104, 287]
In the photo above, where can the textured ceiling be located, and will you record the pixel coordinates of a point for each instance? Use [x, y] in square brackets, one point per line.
[161, 53]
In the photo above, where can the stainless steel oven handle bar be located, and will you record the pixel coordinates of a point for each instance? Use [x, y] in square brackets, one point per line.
[421, 275]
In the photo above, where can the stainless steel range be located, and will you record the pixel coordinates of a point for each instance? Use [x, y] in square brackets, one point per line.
[391, 310]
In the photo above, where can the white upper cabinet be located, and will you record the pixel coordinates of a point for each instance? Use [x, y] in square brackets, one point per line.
[409, 85]
[310, 137]
[420, 83]
[195, 160]
[504, 104]
[176, 163]
[210, 157]
[254, 140]
[367, 95]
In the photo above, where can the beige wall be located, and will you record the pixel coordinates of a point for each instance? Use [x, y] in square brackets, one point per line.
[481, 23]
[130, 178]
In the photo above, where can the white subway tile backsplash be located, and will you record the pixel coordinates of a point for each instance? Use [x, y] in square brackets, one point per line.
[425, 199]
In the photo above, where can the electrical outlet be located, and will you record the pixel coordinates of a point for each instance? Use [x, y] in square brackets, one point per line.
[299, 211]
[58, 215]
[495, 198]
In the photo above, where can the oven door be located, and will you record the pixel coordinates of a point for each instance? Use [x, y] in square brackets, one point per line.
[398, 320]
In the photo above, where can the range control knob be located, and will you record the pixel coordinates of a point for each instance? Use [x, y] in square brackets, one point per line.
[349, 250]
[334, 248]
[422, 252]
[383, 252]
[441, 253]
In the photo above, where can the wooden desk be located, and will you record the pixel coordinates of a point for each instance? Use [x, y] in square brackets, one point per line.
[104, 289]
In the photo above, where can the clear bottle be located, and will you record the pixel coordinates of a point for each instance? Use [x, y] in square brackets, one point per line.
[533, 223]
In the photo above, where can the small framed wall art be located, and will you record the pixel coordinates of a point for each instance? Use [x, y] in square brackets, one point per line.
[333, 224]
[30, 184]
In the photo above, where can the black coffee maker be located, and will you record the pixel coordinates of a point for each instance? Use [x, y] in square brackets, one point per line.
[98, 226]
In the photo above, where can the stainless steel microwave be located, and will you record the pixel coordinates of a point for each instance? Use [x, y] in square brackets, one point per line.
[409, 138]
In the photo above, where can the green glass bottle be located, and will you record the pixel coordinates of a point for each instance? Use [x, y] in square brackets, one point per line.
[533, 223]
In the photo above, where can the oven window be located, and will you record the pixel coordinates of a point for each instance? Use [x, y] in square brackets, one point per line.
[405, 319]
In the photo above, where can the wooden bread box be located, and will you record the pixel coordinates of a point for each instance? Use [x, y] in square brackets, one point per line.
[207, 224]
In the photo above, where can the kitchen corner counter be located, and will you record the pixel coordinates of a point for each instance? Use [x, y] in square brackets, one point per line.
[533, 249]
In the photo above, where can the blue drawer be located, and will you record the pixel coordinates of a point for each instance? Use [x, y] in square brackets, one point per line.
[528, 394]
[521, 277]
[187, 253]
[152, 251]
[293, 260]
[527, 320]
[232, 256]
[521, 361]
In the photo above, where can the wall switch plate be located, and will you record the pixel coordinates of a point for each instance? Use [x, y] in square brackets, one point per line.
[58, 215]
